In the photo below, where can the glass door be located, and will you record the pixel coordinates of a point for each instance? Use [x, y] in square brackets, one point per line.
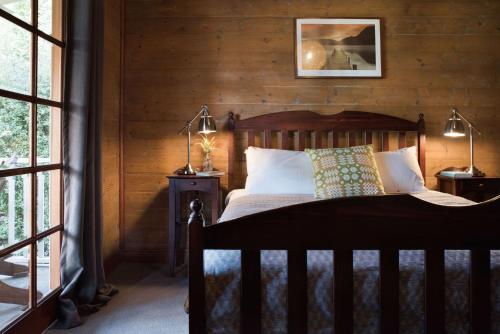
[31, 113]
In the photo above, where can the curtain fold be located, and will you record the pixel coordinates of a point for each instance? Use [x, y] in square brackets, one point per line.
[82, 274]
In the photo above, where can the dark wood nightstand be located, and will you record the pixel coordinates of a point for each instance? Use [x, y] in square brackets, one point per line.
[177, 185]
[477, 189]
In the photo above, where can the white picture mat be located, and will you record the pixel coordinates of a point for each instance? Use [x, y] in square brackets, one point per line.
[338, 73]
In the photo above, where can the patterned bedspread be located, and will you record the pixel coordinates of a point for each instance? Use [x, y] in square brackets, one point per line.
[222, 269]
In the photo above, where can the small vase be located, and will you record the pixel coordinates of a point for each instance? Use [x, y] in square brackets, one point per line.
[207, 163]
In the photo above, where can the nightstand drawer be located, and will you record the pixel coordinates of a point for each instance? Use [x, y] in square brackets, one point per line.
[194, 185]
[480, 186]
[477, 189]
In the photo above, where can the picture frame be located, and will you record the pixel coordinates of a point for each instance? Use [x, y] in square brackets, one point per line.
[338, 48]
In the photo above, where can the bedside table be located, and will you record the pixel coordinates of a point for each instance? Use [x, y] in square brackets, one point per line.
[182, 183]
[476, 189]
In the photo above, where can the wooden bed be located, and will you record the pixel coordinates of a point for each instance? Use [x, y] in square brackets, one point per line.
[389, 223]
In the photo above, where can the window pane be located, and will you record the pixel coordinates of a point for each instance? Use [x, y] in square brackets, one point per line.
[14, 285]
[48, 199]
[47, 262]
[15, 67]
[15, 209]
[18, 8]
[48, 135]
[49, 70]
[14, 133]
[49, 17]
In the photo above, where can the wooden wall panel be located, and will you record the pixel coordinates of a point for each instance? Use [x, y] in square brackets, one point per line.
[110, 130]
[238, 55]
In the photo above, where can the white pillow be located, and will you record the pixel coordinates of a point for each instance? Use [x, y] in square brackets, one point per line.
[400, 171]
[273, 171]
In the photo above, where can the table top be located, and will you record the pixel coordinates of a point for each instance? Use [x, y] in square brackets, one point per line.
[473, 178]
[190, 177]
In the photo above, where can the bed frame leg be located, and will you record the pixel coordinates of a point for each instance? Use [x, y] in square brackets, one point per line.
[196, 269]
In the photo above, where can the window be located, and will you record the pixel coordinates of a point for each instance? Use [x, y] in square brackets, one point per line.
[31, 113]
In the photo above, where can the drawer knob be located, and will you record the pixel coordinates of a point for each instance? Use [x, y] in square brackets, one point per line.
[481, 185]
[193, 183]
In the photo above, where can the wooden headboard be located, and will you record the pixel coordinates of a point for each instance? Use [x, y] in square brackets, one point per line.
[297, 130]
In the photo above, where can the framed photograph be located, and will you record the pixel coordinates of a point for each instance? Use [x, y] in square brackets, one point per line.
[335, 48]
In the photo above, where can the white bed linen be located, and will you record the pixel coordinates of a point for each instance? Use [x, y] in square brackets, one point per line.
[239, 203]
[272, 171]
[399, 170]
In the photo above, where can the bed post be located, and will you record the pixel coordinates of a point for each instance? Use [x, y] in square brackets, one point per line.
[421, 143]
[196, 269]
[230, 152]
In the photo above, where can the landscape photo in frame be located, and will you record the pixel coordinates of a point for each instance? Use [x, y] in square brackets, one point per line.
[337, 48]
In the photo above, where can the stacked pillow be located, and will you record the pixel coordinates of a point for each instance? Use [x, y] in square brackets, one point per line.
[333, 172]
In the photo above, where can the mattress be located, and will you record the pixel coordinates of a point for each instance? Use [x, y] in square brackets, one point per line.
[222, 272]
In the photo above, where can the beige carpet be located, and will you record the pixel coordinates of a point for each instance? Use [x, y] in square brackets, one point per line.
[148, 302]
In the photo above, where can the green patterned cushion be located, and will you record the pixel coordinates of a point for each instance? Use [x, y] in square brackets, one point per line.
[342, 172]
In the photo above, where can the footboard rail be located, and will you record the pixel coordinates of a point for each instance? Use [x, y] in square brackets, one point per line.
[385, 223]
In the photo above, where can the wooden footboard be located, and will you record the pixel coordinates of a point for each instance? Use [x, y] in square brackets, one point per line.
[386, 223]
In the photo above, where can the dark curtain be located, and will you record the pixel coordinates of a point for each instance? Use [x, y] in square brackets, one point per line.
[82, 276]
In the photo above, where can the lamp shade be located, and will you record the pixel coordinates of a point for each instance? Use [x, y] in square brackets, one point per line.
[454, 126]
[207, 124]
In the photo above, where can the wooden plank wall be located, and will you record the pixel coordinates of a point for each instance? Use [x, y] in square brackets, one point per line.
[110, 131]
[238, 55]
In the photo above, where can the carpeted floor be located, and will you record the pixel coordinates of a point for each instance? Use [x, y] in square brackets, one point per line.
[149, 302]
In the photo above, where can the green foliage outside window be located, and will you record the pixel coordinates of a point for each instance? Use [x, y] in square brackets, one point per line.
[15, 75]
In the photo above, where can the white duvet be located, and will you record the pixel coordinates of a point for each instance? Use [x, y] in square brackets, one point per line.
[239, 203]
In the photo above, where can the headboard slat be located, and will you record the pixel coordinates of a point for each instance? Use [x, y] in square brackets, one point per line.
[251, 138]
[368, 137]
[284, 139]
[335, 139]
[352, 138]
[421, 142]
[302, 140]
[385, 141]
[402, 139]
[267, 138]
[318, 139]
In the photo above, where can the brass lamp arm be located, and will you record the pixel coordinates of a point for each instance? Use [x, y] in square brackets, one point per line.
[472, 126]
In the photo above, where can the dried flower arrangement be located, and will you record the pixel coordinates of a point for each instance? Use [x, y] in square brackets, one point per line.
[207, 146]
